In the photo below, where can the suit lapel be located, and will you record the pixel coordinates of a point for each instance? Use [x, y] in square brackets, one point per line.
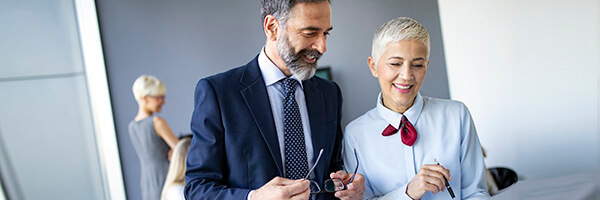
[256, 97]
[316, 113]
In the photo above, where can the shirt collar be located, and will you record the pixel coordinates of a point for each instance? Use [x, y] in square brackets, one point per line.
[394, 118]
[271, 74]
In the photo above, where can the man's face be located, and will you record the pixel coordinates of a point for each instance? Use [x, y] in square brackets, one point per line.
[304, 38]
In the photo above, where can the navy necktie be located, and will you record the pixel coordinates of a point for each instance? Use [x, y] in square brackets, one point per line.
[296, 163]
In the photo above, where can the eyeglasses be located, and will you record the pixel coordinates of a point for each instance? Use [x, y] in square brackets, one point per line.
[331, 185]
[158, 97]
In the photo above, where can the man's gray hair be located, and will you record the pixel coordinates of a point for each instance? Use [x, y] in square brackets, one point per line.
[396, 30]
[280, 9]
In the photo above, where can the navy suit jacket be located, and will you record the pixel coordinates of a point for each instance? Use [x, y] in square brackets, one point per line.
[235, 147]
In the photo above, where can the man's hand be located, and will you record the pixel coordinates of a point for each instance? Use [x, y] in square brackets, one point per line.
[283, 188]
[429, 178]
[355, 190]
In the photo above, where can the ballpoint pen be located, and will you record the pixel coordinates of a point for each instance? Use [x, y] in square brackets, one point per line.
[447, 184]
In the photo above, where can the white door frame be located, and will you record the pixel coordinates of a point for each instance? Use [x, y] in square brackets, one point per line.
[97, 85]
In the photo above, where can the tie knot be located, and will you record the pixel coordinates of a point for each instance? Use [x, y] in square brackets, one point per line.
[404, 119]
[407, 131]
[289, 85]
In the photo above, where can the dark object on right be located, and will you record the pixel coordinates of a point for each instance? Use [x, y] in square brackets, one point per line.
[504, 177]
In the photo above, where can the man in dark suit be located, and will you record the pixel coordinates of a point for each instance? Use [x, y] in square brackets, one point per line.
[259, 128]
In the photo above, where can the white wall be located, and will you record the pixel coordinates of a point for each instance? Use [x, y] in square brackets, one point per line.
[528, 72]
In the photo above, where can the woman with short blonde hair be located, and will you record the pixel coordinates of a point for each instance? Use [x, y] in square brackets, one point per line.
[151, 136]
[413, 146]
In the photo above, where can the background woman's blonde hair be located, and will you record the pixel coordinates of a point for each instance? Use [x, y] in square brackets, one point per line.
[176, 173]
[147, 85]
[396, 30]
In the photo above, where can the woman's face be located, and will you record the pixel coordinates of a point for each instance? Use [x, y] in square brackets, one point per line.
[154, 103]
[400, 70]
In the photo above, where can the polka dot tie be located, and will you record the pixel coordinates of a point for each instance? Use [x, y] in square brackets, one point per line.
[296, 164]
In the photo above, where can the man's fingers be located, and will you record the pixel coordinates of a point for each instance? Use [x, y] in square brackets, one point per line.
[283, 181]
[351, 190]
[340, 174]
[358, 183]
[297, 187]
[347, 194]
[354, 189]
[301, 196]
[344, 193]
[359, 179]
[334, 175]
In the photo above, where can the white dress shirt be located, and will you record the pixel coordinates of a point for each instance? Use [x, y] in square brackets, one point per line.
[272, 76]
[445, 131]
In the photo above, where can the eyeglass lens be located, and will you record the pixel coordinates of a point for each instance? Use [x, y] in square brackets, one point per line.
[334, 185]
[330, 185]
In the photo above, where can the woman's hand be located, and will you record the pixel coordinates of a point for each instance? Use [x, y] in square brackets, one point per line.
[429, 178]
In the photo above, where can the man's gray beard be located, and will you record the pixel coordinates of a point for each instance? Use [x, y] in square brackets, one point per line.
[297, 66]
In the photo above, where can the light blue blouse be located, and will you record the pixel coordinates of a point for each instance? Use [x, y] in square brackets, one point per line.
[445, 131]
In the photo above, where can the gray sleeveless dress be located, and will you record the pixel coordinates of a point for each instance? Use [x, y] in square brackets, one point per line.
[152, 151]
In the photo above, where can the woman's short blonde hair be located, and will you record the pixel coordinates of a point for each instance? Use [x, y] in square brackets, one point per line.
[396, 30]
[147, 85]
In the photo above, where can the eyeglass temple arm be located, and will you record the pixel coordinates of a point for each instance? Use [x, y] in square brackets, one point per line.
[314, 165]
[355, 169]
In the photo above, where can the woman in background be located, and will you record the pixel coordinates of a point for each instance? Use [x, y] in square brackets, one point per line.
[151, 136]
[175, 182]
